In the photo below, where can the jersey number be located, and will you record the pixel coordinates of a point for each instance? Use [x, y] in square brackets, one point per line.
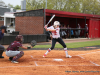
[55, 33]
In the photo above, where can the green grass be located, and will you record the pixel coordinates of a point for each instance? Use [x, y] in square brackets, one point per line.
[72, 45]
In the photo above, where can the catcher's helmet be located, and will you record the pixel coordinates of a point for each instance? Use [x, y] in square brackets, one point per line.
[19, 38]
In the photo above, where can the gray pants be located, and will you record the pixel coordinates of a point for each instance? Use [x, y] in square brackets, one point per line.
[12, 53]
[1, 50]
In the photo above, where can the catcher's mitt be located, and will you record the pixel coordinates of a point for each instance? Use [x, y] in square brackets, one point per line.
[33, 43]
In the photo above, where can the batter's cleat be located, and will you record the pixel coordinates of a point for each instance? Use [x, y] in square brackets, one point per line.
[68, 56]
[1, 56]
[44, 55]
[16, 62]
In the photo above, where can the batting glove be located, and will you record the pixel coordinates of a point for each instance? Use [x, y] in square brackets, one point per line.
[45, 26]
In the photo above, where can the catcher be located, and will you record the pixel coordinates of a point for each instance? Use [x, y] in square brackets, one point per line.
[13, 50]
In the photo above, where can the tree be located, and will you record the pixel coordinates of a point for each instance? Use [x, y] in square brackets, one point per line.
[90, 6]
[10, 5]
[73, 6]
[34, 4]
[18, 7]
[79, 6]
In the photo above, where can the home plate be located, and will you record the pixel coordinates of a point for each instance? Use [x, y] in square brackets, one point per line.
[58, 59]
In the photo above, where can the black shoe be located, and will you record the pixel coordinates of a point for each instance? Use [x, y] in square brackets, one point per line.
[10, 58]
[1, 56]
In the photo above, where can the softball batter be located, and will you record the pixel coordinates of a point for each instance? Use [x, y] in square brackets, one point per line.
[56, 38]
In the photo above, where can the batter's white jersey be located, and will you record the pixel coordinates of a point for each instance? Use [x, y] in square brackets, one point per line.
[55, 34]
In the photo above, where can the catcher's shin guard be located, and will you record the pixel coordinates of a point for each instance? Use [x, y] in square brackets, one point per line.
[18, 56]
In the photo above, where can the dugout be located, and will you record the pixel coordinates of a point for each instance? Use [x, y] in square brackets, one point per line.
[32, 22]
[73, 19]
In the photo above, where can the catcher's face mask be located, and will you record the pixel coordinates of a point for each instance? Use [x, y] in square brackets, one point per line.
[22, 40]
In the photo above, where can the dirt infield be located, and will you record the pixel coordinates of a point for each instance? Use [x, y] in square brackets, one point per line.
[32, 63]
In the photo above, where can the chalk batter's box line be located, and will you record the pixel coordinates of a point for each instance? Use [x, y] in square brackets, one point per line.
[51, 56]
[64, 61]
[61, 65]
[89, 53]
[17, 66]
[32, 56]
[89, 61]
[67, 61]
[58, 58]
[76, 55]
[48, 65]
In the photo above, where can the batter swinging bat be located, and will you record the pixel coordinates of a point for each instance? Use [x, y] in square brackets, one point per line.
[50, 19]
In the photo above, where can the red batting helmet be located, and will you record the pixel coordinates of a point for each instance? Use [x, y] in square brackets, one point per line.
[19, 37]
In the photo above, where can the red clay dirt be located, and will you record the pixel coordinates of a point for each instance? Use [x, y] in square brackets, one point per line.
[32, 63]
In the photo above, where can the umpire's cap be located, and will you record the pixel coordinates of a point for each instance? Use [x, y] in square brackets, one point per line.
[3, 27]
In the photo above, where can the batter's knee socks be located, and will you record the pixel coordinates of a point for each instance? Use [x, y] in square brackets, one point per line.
[65, 49]
[18, 56]
[48, 51]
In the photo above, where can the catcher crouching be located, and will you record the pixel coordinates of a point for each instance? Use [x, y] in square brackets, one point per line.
[13, 49]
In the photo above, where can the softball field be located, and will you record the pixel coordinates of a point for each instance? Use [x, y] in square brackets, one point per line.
[32, 63]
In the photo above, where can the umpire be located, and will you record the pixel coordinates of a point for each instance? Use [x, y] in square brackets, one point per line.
[2, 31]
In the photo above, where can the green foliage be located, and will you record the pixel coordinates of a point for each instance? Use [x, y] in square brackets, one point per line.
[90, 6]
[10, 5]
[17, 7]
[79, 6]
[34, 4]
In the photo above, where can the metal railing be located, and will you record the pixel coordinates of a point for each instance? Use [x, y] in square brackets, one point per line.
[75, 30]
